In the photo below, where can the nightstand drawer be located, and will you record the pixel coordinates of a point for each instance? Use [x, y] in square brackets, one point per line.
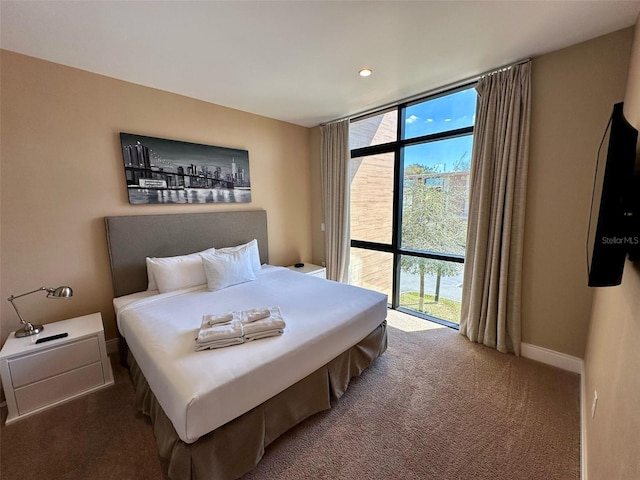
[41, 365]
[56, 388]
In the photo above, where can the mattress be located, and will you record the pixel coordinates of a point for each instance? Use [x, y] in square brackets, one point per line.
[201, 391]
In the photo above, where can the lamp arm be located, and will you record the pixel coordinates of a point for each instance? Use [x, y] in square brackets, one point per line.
[22, 320]
[13, 297]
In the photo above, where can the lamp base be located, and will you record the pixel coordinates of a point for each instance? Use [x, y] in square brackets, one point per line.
[29, 329]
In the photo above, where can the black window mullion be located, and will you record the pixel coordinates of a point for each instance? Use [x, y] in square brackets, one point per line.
[374, 150]
[380, 247]
[397, 191]
[397, 210]
[447, 257]
[434, 137]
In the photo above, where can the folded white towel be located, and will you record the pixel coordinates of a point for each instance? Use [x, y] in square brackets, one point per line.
[233, 328]
[215, 319]
[264, 334]
[264, 325]
[219, 343]
[220, 332]
[251, 316]
[246, 316]
[256, 314]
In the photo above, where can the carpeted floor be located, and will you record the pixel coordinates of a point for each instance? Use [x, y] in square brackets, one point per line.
[99, 437]
[434, 406]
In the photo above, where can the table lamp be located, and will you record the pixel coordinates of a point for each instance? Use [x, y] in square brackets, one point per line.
[29, 328]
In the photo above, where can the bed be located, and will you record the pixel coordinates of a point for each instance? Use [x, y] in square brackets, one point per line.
[213, 412]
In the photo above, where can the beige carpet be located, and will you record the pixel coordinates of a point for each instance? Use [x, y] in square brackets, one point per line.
[434, 406]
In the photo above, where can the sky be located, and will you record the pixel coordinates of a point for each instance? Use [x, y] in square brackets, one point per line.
[440, 114]
[440, 156]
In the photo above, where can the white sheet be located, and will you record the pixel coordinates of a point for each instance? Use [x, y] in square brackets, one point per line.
[201, 391]
[121, 302]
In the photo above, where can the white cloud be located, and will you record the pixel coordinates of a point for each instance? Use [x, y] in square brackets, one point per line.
[429, 120]
[412, 119]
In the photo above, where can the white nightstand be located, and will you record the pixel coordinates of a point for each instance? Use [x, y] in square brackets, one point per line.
[37, 376]
[310, 269]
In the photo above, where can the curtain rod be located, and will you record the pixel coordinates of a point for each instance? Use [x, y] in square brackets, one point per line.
[427, 93]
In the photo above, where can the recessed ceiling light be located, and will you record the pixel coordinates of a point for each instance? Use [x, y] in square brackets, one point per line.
[365, 72]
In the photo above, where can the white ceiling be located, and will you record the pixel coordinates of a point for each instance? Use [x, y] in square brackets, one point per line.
[297, 61]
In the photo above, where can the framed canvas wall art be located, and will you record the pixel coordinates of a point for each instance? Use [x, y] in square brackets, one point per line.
[160, 171]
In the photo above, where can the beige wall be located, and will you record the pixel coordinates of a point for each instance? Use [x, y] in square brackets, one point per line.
[62, 173]
[613, 351]
[573, 92]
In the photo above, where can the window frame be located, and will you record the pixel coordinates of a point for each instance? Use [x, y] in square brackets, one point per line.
[397, 148]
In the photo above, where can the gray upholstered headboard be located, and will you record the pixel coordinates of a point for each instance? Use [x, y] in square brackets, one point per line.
[133, 238]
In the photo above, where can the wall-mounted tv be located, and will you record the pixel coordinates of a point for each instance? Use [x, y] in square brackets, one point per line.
[614, 228]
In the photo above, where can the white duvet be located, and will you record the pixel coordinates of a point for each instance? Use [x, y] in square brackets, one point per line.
[201, 391]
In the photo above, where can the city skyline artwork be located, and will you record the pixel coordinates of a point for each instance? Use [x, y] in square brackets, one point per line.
[162, 171]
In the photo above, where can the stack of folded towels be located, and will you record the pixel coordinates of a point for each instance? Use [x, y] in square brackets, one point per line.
[234, 328]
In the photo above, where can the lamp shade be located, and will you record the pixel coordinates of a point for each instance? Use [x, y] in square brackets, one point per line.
[60, 292]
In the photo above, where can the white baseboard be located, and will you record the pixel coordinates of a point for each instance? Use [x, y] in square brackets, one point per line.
[112, 346]
[551, 357]
[583, 425]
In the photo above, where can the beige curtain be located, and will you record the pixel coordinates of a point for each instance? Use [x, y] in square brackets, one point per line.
[491, 296]
[334, 156]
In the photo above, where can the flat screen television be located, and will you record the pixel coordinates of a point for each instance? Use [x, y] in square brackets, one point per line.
[614, 230]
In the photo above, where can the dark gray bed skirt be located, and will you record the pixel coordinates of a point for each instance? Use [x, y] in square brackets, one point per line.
[235, 448]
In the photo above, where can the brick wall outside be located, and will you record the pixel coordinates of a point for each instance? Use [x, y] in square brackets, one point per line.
[371, 203]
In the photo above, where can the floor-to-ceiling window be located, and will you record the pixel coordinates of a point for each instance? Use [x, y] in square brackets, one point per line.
[409, 202]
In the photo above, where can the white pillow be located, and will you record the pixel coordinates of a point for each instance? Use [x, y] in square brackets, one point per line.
[150, 277]
[182, 271]
[227, 269]
[254, 253]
